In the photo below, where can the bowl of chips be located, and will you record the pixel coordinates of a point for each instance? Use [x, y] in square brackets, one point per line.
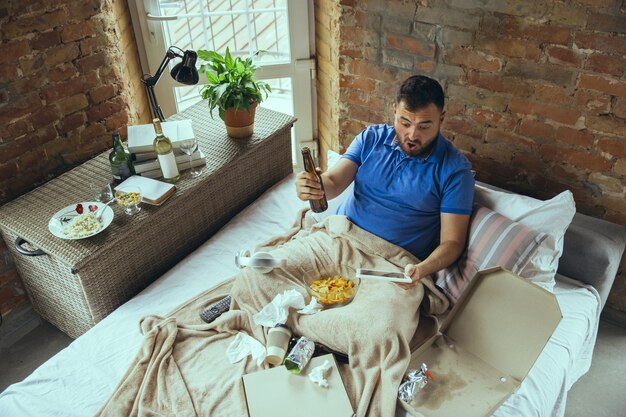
[332, 287]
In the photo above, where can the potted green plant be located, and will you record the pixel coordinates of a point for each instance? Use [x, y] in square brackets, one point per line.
[232, 89]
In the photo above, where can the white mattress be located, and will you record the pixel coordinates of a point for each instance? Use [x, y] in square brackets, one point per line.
[80, 378]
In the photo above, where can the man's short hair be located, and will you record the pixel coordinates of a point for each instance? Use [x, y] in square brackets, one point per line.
[418, 91]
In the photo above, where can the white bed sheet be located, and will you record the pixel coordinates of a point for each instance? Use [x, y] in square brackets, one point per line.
[81, 377]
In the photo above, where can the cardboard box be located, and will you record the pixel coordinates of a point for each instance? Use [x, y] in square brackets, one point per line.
[276, 392]
[486, 346]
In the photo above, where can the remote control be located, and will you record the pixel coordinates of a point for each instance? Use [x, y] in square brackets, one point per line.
[216, 310]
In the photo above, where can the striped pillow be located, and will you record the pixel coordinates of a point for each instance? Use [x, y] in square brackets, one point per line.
[494, 240]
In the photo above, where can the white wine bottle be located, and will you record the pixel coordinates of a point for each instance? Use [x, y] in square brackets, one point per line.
[165, 154]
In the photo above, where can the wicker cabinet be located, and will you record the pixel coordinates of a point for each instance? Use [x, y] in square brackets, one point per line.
[74, 284]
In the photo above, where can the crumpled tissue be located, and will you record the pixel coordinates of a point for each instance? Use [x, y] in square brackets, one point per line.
[316, 374]
[277, 311]
[245, 345]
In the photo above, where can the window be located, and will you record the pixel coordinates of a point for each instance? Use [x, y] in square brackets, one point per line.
[279, 27]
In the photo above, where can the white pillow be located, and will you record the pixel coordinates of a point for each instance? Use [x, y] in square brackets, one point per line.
[332, 158]
[551, 216]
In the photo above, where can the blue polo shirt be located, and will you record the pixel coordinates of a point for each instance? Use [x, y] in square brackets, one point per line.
[400, 198]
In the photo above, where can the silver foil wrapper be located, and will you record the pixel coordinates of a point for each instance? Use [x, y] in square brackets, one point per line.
[414, 381]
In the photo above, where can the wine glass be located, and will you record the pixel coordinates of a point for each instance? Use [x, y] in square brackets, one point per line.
[129, 198]
[188, 147]
[102, 192]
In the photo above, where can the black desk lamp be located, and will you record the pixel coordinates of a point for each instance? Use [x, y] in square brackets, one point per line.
[184, 72]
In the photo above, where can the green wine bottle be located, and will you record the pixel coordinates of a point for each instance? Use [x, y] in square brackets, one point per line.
[120, 160]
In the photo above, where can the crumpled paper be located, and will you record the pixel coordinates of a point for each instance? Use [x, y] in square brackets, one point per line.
[316, 374]
[243, 346]
[277, 311]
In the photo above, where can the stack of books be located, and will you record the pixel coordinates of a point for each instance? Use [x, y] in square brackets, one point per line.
[140, 145]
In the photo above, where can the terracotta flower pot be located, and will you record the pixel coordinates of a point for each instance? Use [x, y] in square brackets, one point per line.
[240, 123]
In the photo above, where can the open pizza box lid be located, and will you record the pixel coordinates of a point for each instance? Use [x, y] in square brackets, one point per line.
[486, 346]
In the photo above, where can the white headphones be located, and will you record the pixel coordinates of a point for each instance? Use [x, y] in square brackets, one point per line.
[261, 261]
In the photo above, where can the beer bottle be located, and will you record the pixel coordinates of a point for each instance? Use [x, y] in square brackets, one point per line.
[165, 154]
[321, 204]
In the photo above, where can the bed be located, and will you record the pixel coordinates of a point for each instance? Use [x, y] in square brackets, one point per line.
[79, 379]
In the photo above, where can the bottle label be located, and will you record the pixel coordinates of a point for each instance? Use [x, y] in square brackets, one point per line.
[168, 165]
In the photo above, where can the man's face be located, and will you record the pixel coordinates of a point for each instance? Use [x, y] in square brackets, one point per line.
[417, 129]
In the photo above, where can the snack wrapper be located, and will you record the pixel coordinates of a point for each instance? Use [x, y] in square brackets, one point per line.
[414, 381]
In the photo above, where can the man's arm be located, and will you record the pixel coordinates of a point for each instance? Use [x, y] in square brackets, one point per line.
[335, 181]
[453, 237]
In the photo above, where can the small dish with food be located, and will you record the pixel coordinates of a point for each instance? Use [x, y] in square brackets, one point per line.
[332, 287]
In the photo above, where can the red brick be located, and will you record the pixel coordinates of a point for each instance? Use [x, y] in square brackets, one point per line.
[543, 72]
[103, 110]
[363, 84]
[619, 108]
[520, 142]
[92, 62]
[558, 114]
[92, 131]
[600, 42]
[620, 167]
[594, 101]
[31, 158]
[500, 84]
[44, 135]
[552, 94]
[581, 159]
[474, 60]
[368, 69]
[606, 22]
[32, 82]
[32, 64]
[418, 46]
[517, 48]
[70, 87]
[480, 97]
[462, 126]
[118, 122]
[614, 147]
[11, 51]
[606, 124]
[520, 29]
[24, 105]
[78, 31]
[90, 45]
[425, 65]
[8, 171]
[44, 117]
[13, 130]
[46, 40]
[492, 119]
[563, 55]
[85, 9]
[607, 85]
[8, 72]
[102, 93]
[41, 23]
[62, 72]
[536, 129]
[574, 137]
[12, 150]
[529, 161]
[606, 64]
[73, 103]
[71, 122]
[62, 54]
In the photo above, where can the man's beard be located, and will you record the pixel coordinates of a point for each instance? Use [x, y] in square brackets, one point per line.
[421, 152]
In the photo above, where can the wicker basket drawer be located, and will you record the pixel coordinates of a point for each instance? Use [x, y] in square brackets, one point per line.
[76, 283]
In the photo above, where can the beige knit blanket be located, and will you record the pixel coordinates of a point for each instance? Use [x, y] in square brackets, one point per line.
[182, 368]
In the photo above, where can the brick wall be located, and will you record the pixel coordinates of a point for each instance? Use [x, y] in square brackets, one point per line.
[69, 76]
[536, 90]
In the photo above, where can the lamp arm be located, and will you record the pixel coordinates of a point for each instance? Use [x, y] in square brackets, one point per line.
[151, 81]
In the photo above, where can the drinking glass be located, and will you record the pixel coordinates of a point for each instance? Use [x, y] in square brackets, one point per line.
[102, 192]
[129, 198]
[189, 146]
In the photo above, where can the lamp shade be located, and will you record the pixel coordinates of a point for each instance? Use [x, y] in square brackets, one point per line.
[185, 72]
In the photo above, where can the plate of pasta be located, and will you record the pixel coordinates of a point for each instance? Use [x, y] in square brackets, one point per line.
[80, 221]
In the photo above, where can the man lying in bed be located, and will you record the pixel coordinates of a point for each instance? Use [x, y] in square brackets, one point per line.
[406, 178]
[412, 187]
